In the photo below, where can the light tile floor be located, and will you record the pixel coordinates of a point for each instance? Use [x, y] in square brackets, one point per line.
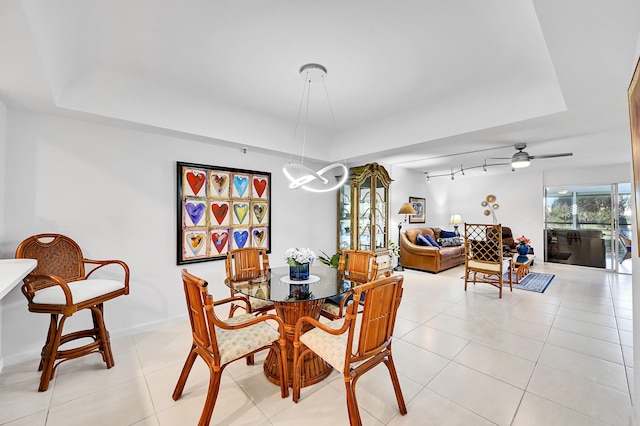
[563, 357]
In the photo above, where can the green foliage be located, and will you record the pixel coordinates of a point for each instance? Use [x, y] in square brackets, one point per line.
[394, 249]
[330, 261]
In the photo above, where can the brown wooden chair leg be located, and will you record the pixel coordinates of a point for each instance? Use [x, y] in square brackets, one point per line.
[184, 374]
[352, 403]
[52, 352]
[53, 322]
[97, 312]
[250, 359]
[396, 384]
[212, 395]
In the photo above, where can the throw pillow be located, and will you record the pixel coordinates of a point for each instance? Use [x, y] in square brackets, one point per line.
[421, 240]
[432, 241]
[447, 234]
[449, 242]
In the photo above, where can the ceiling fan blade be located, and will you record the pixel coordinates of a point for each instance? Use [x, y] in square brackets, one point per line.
[499, 158]
[566, 154]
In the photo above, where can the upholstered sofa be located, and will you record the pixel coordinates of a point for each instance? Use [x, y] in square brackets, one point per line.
[427, 258]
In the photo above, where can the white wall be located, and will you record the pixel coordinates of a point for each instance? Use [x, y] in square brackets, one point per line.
[3, 156]
[113, 190]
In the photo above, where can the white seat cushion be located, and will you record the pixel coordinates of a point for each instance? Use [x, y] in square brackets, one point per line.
[332, 349]
[258, 303]
[331, 308]
[80, 291]
[474, 264]
[234, 344]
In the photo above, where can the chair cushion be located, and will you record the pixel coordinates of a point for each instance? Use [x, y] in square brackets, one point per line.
[487, 266]
[234, 344]
[81, 291]
[258, 303]
[331, 308]
[332, 349]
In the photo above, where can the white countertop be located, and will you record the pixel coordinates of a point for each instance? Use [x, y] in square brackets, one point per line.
[12, 271]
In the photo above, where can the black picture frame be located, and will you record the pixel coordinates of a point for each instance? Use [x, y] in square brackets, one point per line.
[221, 208]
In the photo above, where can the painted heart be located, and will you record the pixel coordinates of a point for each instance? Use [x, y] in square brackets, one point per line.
[219, 211]
[241, 210]
[219, 240]
[259, 210]
[195, 242]
[195, 211]
[219, 183]
[195, 180]
[241, 183]
[258, 237]
[241, 238]
[260, 185]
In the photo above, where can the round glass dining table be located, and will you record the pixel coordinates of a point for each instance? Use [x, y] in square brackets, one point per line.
[293, 300]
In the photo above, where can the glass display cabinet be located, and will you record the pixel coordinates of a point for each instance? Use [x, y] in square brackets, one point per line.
[363, 212]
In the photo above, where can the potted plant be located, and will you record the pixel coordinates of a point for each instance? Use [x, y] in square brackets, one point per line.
[523, 245]
[299, 260]
[332, 261]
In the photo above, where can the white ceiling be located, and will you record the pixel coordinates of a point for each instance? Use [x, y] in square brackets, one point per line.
[414, 83]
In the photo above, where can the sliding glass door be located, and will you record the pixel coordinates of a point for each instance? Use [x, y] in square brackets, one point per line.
[588, 226]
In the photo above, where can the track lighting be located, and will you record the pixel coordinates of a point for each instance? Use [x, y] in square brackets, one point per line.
[463, 169]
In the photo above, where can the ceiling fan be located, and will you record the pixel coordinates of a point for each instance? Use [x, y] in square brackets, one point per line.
[522, 158]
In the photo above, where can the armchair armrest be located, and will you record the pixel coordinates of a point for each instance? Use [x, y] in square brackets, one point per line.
[103, 263]
[34, 283]
[220, 323]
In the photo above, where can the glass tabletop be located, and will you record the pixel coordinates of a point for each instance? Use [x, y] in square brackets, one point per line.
[275, 285]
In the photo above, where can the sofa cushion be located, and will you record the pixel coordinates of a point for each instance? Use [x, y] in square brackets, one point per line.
[421, 240]
[412, 234]
[447, 234]
[449, 242]
[436, 233]
[432, 241]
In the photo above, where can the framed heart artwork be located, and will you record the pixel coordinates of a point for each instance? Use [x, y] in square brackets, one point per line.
[220, 209]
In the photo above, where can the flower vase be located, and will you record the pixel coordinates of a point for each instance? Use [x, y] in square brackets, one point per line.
[523, 249]
[299, 272]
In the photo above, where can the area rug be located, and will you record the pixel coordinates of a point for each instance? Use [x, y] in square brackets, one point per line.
[534, 281]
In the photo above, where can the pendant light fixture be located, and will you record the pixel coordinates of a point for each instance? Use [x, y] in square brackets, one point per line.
[299, 175]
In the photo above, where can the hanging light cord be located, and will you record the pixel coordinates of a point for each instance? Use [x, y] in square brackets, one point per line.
[304, 173]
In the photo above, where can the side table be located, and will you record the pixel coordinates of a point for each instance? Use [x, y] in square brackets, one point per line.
[520, 266]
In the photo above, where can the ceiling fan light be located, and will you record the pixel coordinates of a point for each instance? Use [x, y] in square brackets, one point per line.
[520, 163]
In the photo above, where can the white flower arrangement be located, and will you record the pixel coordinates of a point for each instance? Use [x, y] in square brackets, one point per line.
[299, 256]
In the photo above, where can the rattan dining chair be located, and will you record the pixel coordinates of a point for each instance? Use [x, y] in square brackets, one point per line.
[484, 259]
[245, 263]
[355, 344]
[60, 286]
[220, 342]
[357, 266]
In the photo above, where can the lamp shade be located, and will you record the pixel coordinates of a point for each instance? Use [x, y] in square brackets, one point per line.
[456, 219]
[406, 208]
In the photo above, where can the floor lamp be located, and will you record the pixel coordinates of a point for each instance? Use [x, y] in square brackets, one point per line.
[406, 209]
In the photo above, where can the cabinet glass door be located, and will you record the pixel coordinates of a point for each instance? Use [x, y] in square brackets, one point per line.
[364, 216]
[380, 215]
[344, 219]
